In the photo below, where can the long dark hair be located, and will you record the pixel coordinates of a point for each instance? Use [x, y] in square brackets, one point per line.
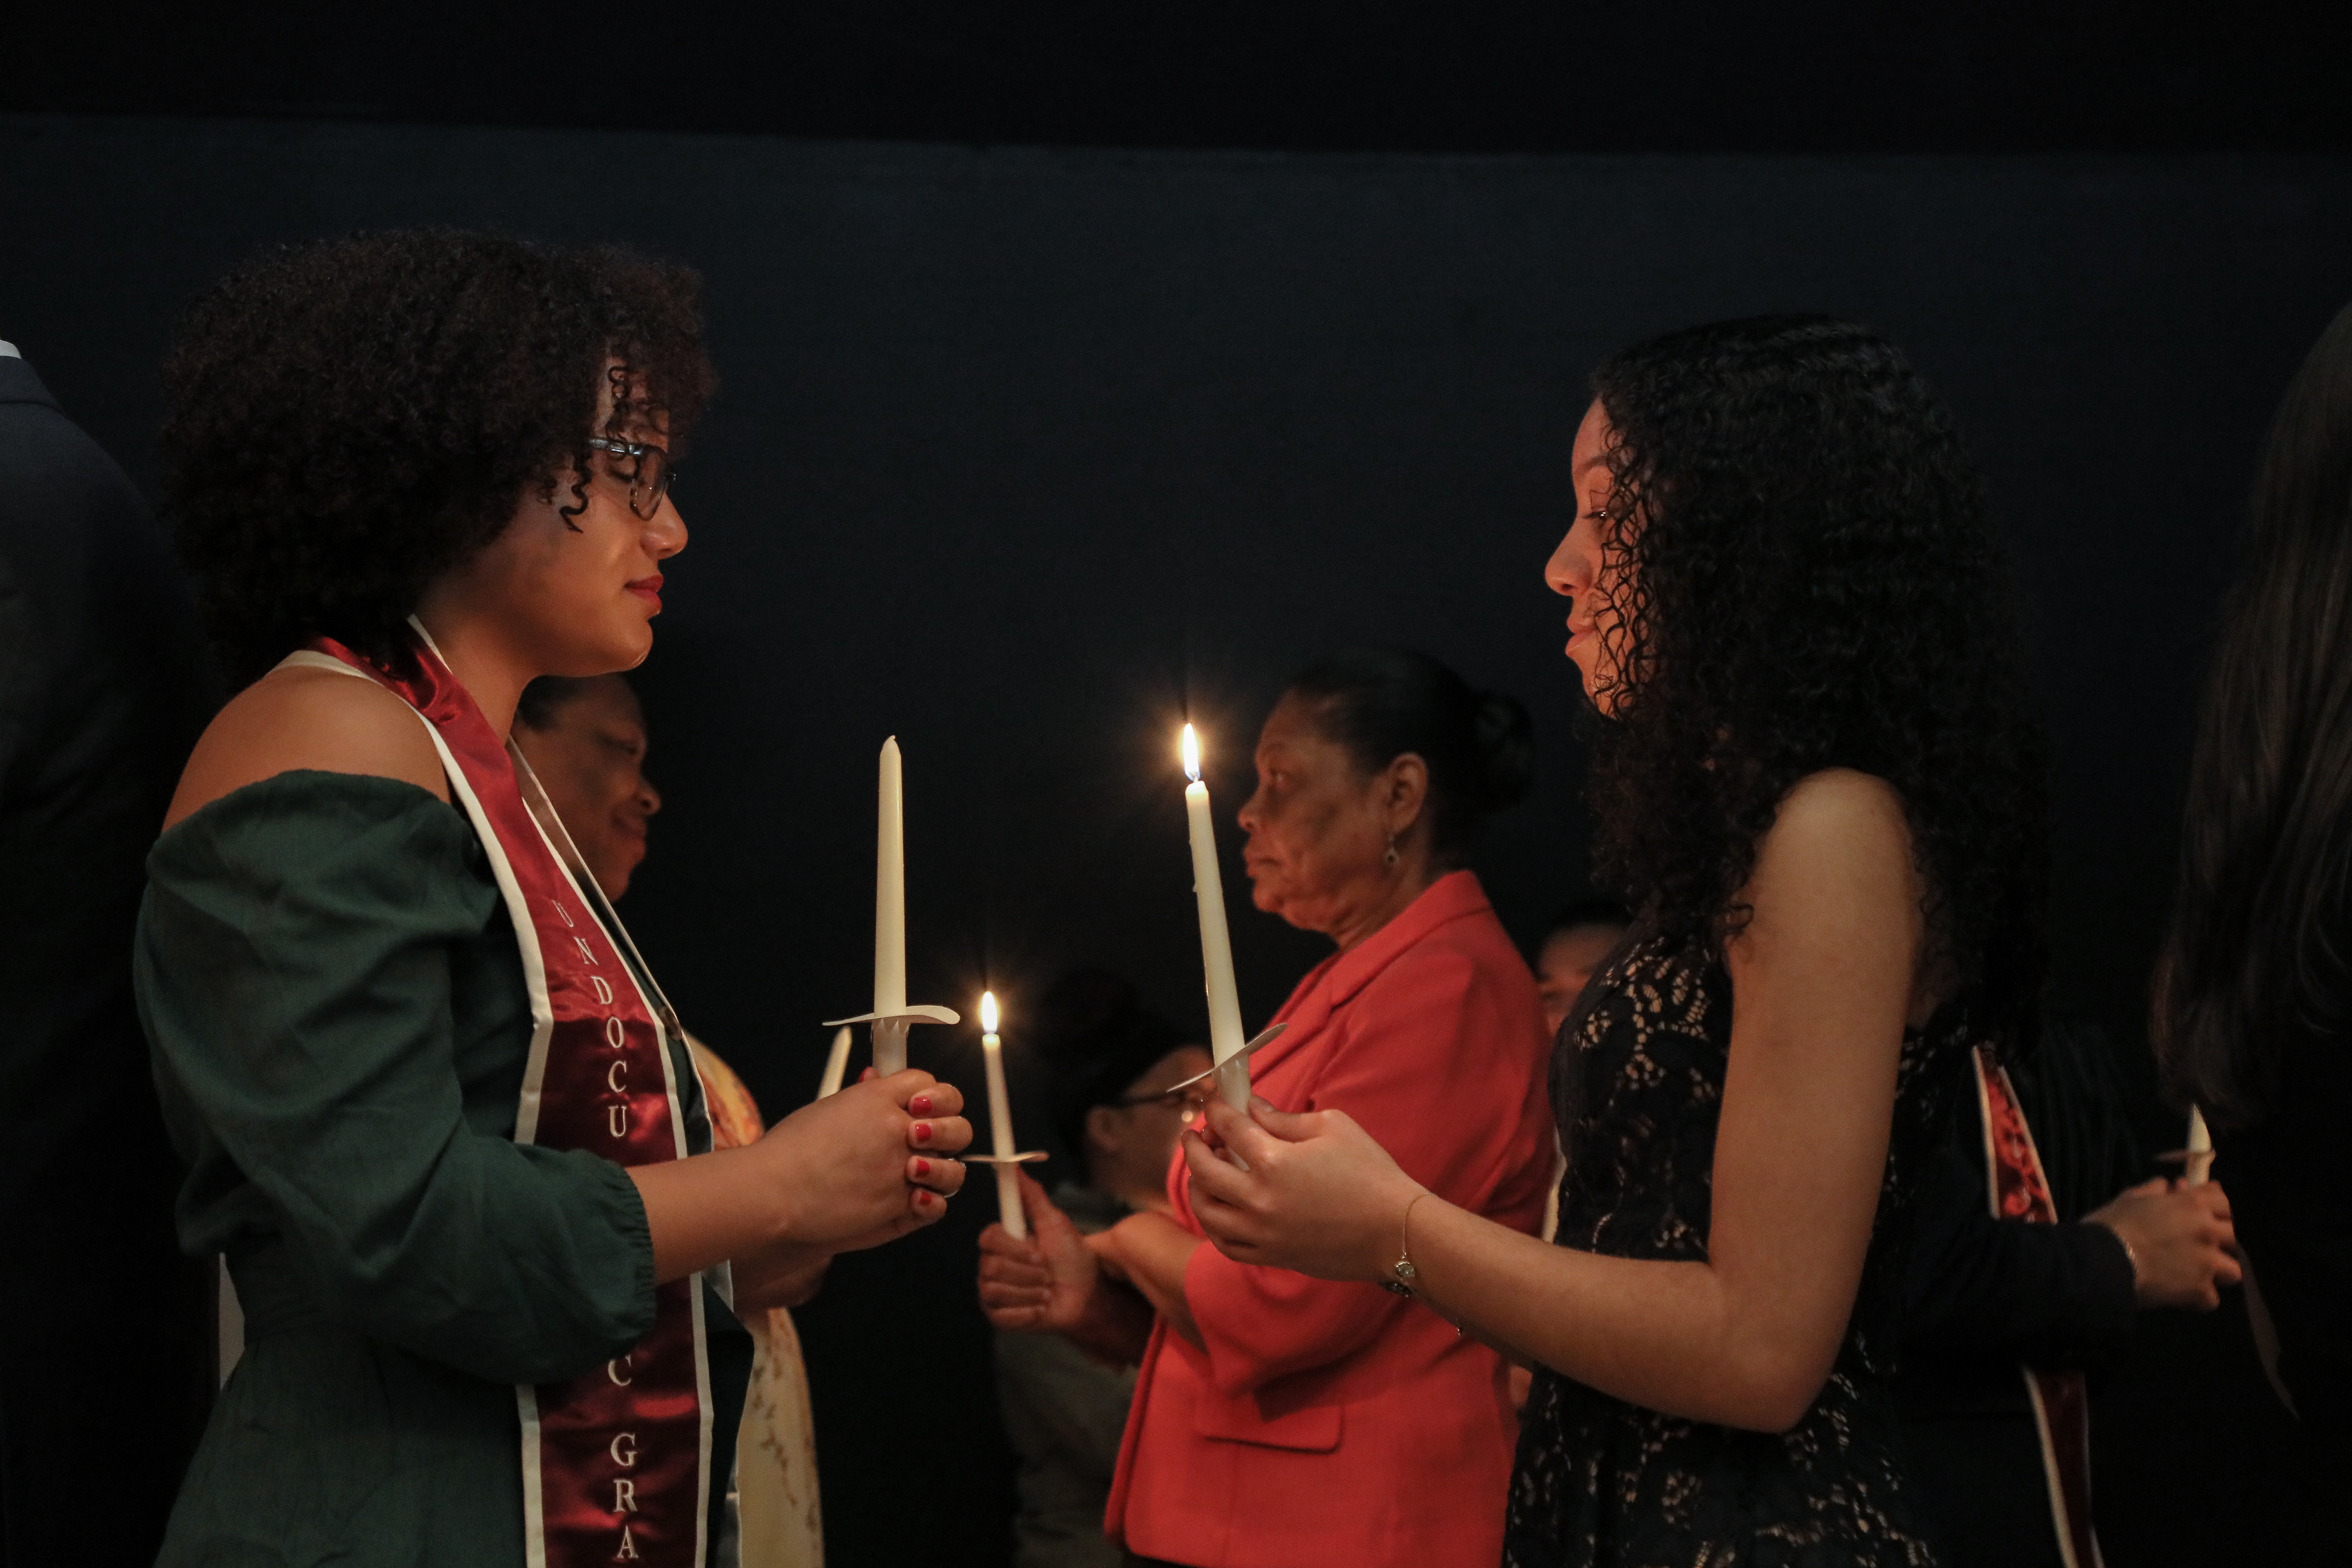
[1805, 580]
[2254, 956]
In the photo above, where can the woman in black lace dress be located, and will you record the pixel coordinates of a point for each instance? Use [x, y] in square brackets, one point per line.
[1818, 783]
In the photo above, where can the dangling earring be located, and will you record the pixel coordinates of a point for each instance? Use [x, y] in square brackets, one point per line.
[1390, 860]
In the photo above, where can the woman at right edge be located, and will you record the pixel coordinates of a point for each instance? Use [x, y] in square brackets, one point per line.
[1819, 783]
[2254, 990]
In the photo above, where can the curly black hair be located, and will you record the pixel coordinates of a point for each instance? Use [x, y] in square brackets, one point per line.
[348, 420]
[1798, 553]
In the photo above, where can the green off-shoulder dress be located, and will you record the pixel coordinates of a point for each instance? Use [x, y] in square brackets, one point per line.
[339, 1020]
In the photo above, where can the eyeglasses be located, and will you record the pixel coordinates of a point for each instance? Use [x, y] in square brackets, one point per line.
[1188, 1103]
[648, 481]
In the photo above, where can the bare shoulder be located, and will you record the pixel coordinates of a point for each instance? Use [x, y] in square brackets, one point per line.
[1836, 907]
[1841, 807]
[296, 720]
[1840, 847]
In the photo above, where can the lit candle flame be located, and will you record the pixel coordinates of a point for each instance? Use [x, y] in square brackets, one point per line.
[988, 1012]
[1191, 755]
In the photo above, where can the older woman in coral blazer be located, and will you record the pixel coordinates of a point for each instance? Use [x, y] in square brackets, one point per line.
[1283, 1421]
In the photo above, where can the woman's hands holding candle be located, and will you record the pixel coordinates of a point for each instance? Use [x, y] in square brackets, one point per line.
[2179, 1240]
[868, 1165]
[855, 1170]
[1320, 1197]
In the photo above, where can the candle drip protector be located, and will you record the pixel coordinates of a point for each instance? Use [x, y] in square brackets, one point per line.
[1237, 1078]
[889, 1031]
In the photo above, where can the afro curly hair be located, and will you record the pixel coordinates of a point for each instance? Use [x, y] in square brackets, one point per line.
[348, 420]
[1809, 582]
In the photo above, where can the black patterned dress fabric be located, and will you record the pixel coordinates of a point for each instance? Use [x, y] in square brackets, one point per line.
[1637, 1081]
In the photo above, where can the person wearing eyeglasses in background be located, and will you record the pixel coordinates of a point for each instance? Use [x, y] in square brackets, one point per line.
[1116, 1112]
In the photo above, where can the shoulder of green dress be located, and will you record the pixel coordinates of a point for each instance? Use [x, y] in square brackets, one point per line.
[308, 818]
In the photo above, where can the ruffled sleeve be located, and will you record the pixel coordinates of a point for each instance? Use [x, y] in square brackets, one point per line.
[295, 969]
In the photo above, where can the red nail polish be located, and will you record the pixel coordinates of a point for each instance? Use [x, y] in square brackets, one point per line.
[922, 1132]
[922, 1166]
[922, 1105]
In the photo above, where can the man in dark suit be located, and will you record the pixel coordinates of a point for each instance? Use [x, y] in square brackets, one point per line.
[105, 1352]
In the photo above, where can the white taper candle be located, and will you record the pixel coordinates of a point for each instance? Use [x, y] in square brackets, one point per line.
[890, 914]
[1225, 1037]
[2200, 1149]
[836, 1064]
[1000, 1121]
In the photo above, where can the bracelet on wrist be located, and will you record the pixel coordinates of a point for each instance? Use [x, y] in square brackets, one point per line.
[1403, 1276]
[2131, 1258]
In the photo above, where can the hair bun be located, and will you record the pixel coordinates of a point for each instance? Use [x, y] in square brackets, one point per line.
[1383, 703]
[1506, 748]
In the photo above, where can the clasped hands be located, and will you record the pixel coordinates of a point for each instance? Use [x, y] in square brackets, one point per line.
[1319, 1196]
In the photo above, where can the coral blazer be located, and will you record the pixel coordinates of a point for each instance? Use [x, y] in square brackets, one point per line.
[1330, 1423]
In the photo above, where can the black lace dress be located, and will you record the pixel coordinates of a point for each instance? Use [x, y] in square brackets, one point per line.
[1638, 1084]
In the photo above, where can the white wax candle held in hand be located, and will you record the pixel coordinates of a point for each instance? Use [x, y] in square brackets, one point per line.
[892, 1015]
[1000, 1122]
[2200, 1149]
[892, 1012]
[890, 914]
[837, 1065]
[1225, 1037]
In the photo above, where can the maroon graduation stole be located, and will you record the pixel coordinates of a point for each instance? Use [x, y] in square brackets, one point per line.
[2062, 1408]
[616, 1461]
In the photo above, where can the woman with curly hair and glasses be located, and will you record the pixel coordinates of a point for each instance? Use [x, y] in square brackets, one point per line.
[1817, 781]
[437, 1112]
